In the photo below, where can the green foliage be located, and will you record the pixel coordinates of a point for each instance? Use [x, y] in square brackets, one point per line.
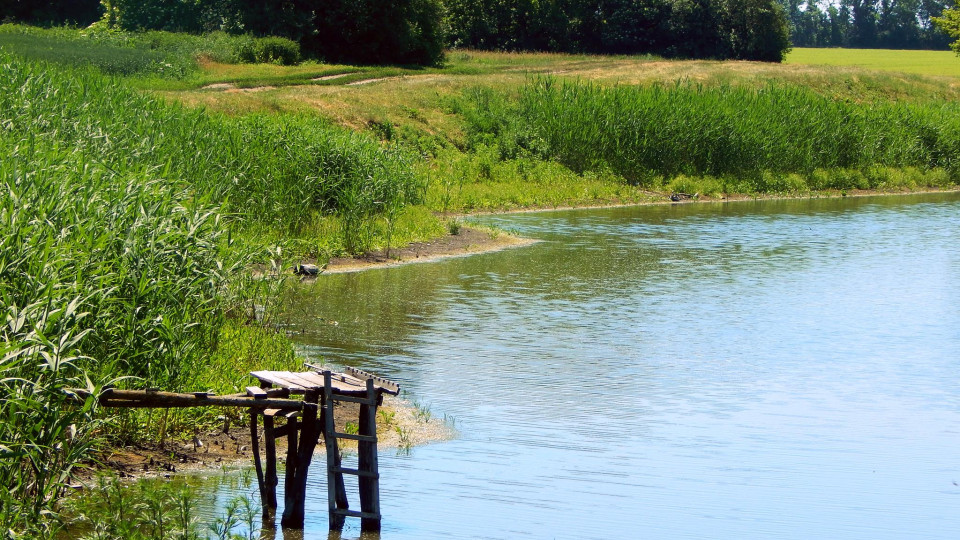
[101, 272]
[743, 29]
[379, 31]
[51, 12]
[270, 50]
[758, 30]
[365, 31]
[644, 133]
[949, 23]
[901, 24]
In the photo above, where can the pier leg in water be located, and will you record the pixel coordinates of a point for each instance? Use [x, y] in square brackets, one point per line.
[255, 447]
[367, 462]
[293, 511]
[270, 480]
[289, 479]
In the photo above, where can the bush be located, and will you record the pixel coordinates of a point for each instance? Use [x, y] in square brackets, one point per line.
[272, 50]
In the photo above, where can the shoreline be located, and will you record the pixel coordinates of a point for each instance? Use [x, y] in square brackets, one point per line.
[470, 240]
[401, 426]
[473, 240]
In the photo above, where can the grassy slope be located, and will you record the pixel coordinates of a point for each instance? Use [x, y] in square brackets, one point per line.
[419, 108]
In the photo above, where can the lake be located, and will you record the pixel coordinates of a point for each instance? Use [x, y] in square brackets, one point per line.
[767, 369]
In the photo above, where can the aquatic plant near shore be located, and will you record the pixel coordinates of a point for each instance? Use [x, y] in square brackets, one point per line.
[745, 136]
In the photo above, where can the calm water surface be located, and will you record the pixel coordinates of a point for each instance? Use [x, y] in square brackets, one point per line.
[783, 369]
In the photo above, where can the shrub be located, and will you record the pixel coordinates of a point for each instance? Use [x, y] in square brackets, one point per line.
[272, 50]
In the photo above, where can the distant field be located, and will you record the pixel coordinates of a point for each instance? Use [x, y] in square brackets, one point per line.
[945, 63]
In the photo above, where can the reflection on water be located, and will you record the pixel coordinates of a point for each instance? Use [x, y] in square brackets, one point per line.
[778, 369]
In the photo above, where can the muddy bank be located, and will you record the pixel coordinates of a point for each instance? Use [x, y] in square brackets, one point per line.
[468, 241]
[400, 425]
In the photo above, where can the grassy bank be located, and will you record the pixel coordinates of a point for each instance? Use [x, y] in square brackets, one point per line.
[795, 128]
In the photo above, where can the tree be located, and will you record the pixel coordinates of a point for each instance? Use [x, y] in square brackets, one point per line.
[758, 30]
[950, 24]
[50, 12]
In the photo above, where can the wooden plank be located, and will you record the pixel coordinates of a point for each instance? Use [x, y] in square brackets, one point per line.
[355, 399]
[353, 437]
[140, 398]
[336, 492]
[256, 392]
[354, 377]
[385, 385]
[290, 478]
[356, 472]
[281, 431]
[270, 447]
[271, 377]
[315, 378]
[255, 447]
[294, 507]
[295, 378]
[353, 513]
[342, 377]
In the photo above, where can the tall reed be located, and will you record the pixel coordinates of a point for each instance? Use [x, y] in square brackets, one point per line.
[643, 133]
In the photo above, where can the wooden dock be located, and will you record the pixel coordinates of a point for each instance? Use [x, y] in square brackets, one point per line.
[303, 421]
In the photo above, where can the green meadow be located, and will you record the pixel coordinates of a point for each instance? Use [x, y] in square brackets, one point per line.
[935, 63]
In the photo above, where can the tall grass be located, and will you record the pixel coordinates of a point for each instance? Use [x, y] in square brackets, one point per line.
[271, 169]
[655, 132]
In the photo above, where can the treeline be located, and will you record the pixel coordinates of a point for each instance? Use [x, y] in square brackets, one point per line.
[867, 24]
[417, 31]
[741, 29]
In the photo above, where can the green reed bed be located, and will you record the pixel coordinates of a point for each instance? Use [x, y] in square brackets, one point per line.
[273, 169]
[749, 139]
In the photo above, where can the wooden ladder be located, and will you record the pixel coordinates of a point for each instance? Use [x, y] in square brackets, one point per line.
[367, 472]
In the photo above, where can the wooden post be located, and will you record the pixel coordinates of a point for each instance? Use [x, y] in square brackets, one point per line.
[255, 447]
[367, 462]
[293, 511]
[290, 475]
[268, 494]
[336, 492]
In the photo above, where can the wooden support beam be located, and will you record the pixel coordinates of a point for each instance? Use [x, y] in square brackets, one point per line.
[255, 447]
[367, 463]
[270, 480]
[258, 393]
[336, 492]
[146, 399]
[293, 511]
[290, 476]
